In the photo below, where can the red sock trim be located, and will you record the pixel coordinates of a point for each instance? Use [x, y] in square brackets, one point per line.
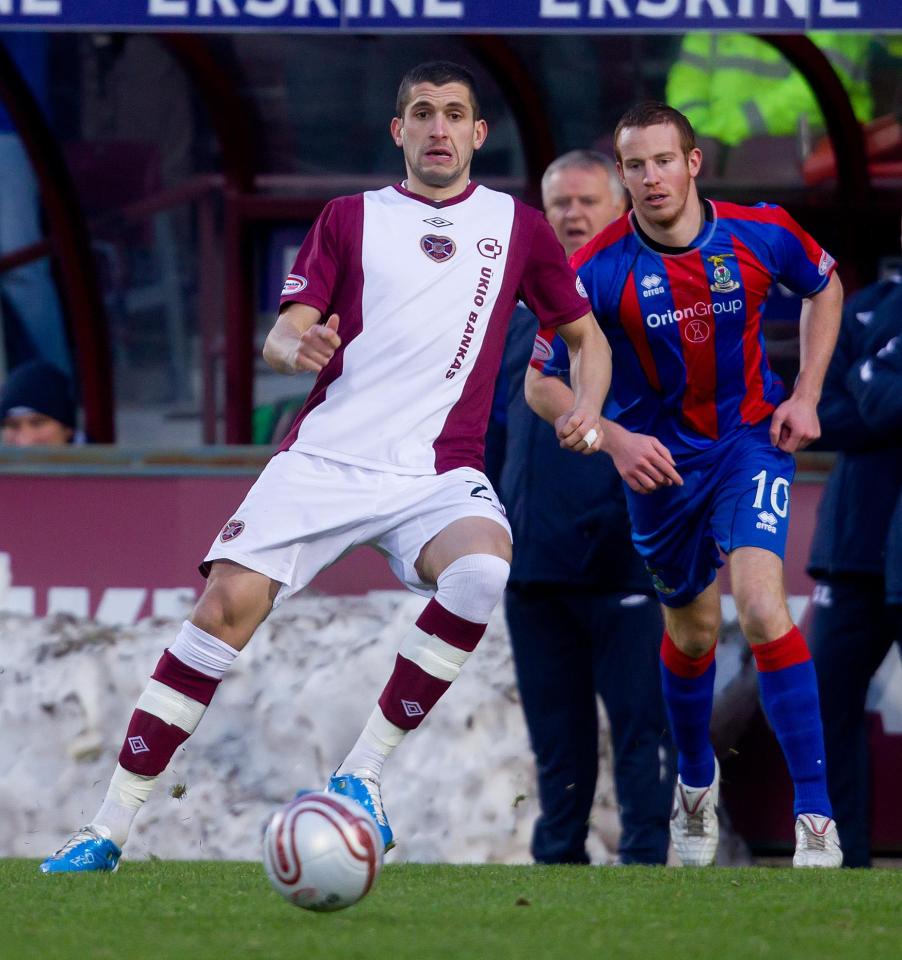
[439, 622]
[680, 663]
[192, 683]
[785, 651]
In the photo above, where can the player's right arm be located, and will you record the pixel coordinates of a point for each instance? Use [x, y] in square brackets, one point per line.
[300, 341]
[642, 461]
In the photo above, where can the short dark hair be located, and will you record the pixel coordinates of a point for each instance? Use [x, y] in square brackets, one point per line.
[650, 113]
[439, 73]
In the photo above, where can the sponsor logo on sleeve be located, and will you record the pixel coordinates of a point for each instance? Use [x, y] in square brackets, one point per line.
[541, 350]
[231, 530]
[294, 283]
[825, 264]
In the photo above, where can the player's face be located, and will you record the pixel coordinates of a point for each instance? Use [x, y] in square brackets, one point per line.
[656, 172]
[438, 134]
[578, 204]
[33, 430]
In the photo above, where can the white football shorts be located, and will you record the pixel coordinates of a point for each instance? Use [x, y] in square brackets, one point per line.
[305, 512]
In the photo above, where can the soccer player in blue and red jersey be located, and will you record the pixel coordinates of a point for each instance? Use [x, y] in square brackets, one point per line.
[702, 433]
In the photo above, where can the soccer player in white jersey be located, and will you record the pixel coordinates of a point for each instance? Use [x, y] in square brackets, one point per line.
[399, 299]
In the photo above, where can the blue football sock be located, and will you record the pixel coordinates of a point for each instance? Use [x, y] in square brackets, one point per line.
[788, 686]
[688, 685]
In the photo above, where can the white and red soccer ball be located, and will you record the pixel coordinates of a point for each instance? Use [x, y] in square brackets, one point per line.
[322, 851]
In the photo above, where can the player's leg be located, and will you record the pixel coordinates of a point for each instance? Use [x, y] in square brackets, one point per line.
[626, 634]
[551, 635]
[850, 635]
[468, 561]
[789, 695]
[234, 603]
[687, 679]
[253, 559]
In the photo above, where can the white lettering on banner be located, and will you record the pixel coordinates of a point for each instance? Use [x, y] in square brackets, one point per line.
[618, 8]
[167, 8]
[118, 606]
[699, 9]
[209, 8]
[301, 9]
[656, 9]
[718, 8]
[326, 8]
[799, 8]
[33, 8]
[558, 8]
[443, 8]
[840, 8]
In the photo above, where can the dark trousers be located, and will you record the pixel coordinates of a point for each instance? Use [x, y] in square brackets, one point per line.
[571, 645]
[851, 632]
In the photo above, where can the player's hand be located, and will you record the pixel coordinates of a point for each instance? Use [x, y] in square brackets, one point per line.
[317, 345]
[642, 461]
[580, 431]
[794, 424]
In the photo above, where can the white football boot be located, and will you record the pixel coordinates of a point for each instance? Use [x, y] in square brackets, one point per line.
[817, 842]
[694, 829]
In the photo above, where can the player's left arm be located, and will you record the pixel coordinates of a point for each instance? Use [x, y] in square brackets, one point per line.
[575, 413]
[794, 423]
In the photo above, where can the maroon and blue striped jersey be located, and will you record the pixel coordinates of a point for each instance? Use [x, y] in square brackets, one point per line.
[689, 362]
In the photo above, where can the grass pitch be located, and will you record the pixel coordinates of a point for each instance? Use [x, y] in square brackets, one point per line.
[203, 910]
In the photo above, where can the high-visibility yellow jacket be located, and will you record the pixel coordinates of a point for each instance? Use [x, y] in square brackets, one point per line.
[733, 86]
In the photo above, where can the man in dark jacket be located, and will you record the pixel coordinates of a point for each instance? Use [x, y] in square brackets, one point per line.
[856, 556]
[579, 602]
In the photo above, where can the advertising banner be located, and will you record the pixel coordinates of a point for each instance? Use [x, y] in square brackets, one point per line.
[459, 16]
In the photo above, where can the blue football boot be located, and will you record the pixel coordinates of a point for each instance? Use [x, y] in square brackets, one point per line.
[86, 850]
[365, 790]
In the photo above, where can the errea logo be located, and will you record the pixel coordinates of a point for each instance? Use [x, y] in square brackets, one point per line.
[766, 521]
[651, 284]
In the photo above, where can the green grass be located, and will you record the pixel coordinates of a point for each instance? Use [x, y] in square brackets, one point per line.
[198, 910]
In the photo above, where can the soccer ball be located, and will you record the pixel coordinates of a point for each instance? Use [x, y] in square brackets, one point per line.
[322, 851]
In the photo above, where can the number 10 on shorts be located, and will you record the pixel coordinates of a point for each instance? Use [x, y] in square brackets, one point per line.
[779, 493]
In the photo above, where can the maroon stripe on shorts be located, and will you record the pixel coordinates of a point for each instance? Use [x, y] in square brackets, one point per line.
[439, 622]
[179, 676]
[149, 744]
[410, 694]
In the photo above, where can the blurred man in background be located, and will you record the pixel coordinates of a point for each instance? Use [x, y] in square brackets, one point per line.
[855, 556]
[37, 407]
[579, 604]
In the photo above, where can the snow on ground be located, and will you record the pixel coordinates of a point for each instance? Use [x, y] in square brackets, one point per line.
[460, 789]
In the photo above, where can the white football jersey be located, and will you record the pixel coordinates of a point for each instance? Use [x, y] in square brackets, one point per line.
[424, 291]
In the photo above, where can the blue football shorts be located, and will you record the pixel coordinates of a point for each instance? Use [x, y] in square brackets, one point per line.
[735, 494]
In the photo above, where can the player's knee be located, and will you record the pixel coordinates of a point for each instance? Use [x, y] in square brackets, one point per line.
[694, 635]
[228, 614]
[763, 617]
[472, 585]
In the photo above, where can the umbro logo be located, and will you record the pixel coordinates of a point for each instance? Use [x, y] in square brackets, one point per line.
[438, 222]
[137, 745]
[651, 284]
[412, 708]
[766, 521]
